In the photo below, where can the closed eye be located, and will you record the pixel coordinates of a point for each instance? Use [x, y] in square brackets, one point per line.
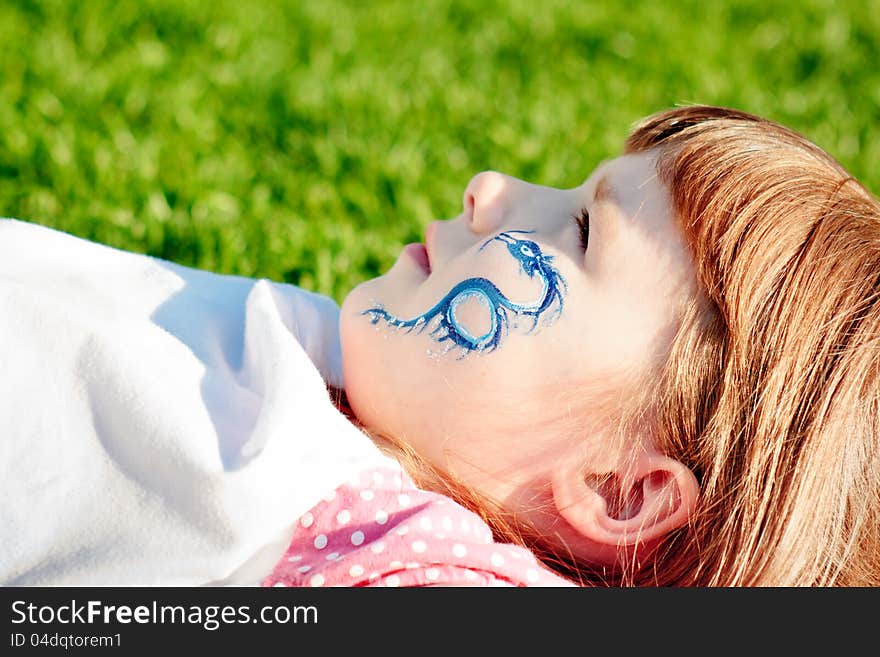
[582, 219]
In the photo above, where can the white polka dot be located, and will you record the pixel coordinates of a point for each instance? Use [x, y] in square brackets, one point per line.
[329, 497]
[381, 517]
[403, 529]
[320, 541]
[419, 547]
[403, 500]
[279, 584]
[356, 571]
[333, 556]
[426, 524]
[470, 574]
[357, 538]
[532, 575]
[392, 580]
[432, 574]
[398, 482]
[307, 520]
[378, 479]
[395, 565]
[295, 558]
[447, 523]
[465, 526]
[374, 576]
[343, 517]
[304, 569]
[496, 559]
[317, 580]
[367, 495]
[459, 550]
[377, 547]
[412, 565]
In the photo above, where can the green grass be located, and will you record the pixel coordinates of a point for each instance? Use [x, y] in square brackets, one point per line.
[307, 141]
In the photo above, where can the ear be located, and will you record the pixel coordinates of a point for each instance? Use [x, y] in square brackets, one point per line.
[628, 508]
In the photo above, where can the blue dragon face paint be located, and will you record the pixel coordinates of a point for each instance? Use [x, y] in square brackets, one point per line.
[445, 323]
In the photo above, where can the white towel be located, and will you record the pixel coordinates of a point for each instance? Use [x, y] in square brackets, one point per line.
[159, 425]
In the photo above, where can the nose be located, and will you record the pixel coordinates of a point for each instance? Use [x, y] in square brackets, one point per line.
[486, 201]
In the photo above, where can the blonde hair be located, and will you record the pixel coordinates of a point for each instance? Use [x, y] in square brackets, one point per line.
[770, 393]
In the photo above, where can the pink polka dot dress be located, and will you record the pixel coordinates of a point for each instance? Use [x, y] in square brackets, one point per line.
[378, 529]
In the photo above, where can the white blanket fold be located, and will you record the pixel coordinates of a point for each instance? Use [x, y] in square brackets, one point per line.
[159, 425]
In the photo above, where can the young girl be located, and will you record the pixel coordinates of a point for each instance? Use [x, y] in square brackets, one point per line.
[686, 390]
[667, 375]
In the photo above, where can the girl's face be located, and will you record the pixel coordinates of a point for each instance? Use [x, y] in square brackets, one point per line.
[493, 346]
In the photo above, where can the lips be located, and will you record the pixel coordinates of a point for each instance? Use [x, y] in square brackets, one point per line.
[419, 254]
[430, 236]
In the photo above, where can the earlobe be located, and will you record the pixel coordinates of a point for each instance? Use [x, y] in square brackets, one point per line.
[629, 507]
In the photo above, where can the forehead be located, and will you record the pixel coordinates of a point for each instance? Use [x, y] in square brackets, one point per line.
[630, 172]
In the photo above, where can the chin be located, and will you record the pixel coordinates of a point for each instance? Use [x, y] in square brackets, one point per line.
[361, 359]
[366, 399]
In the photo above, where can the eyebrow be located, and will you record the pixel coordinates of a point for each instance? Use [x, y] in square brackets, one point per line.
[603, 191]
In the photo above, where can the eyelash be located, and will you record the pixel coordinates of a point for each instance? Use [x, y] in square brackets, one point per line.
[582, 219]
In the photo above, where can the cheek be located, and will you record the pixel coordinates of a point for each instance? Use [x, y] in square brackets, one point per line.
[620, 327]
[396, 388]
[387, 373]
[405, 383]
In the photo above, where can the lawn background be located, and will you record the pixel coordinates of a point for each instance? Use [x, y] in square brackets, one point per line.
[308, 141]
